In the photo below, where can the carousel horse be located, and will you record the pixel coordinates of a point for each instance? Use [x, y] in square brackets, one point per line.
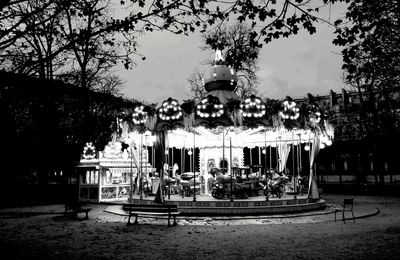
[187, 183]
[274, 186]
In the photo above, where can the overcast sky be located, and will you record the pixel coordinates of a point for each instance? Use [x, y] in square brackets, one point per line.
[291, 66]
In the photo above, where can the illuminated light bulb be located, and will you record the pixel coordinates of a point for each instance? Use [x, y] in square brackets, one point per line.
[328, 142]
[247, 100]
[322, 146]
[190, 152]
[307, 148]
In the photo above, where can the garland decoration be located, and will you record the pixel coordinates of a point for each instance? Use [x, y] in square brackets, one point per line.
[314, 115]
[89, 151]
[290, 110]
[139, 116]
[170, 110]
[210, 106]
[252, 107]
[151, 122]
[234, 112]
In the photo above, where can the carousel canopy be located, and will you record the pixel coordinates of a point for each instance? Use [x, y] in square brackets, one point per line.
[248, 122]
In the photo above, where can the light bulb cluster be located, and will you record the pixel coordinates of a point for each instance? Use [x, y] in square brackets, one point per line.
[325, 141]
[209, 107]
[290, 111]
[252, 107]
[119, 124]
[89, 151]
[138, 115]
[170, 110]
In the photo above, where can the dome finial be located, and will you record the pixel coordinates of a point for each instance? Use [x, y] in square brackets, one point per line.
[218, 56]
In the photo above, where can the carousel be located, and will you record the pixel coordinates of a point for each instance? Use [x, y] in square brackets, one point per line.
[219, 154]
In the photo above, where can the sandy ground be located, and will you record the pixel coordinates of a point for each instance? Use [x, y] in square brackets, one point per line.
[43, 232]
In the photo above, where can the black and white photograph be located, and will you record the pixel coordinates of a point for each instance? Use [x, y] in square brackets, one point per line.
[200, 129]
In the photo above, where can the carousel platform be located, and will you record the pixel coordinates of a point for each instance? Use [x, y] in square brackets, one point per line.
[206, 205]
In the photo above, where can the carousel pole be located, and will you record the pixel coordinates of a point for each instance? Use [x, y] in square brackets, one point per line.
[153, 154]
[147, 161]
[298, 156]
[172, 158]
[270, 155]
[277, 153]
[265, 150]
[259, 159]
[141, 167]
[168, 169]
[223, 147]
[131, 176]
[194, 168]
[230, 164]
[251, 158]
[293, 164]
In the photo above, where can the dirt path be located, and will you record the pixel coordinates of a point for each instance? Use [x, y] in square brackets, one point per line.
[43, 233]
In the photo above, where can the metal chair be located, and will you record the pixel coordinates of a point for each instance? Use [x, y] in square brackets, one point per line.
[347, 206]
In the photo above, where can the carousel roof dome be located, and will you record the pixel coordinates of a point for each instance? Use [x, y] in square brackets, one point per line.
[220, 76]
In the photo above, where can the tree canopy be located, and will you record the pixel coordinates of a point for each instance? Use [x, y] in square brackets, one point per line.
[371, 58]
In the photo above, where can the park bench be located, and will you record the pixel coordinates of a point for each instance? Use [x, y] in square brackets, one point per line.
[151, 210]
[75, 207]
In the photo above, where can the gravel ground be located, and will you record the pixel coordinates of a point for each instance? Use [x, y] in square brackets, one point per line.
[43, 232]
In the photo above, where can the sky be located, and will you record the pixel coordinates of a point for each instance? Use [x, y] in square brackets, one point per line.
[291, 66]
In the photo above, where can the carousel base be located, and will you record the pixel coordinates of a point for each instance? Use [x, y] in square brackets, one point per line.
[206, 205]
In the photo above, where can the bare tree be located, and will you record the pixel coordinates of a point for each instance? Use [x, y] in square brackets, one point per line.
[109, 84]
[236, 42]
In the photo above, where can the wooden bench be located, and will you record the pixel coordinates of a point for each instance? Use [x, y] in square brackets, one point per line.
[151, 210]
[75, 208]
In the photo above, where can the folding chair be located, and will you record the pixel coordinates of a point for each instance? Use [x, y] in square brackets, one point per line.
[347, 206]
